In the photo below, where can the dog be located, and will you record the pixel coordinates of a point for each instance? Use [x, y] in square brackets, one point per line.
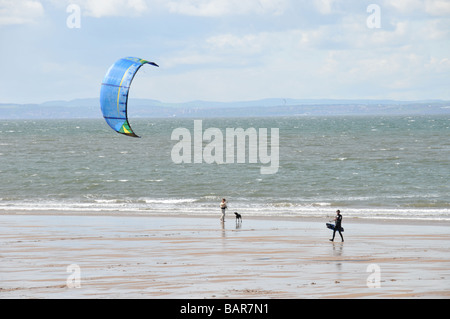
[238, 217]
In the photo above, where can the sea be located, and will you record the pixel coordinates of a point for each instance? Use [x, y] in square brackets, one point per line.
[369, 167]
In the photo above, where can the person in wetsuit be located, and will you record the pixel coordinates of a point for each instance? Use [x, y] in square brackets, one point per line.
[338, 225]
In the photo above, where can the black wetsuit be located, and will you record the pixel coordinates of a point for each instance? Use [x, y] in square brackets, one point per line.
[338, 227]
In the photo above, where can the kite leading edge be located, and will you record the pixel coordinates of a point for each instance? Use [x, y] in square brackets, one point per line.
[114, 93]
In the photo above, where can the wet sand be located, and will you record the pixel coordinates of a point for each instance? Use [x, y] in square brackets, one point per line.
[43, 256]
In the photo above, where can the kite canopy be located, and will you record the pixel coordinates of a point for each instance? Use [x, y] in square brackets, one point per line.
[114, 93]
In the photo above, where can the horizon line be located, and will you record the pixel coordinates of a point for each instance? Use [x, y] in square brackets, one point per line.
[291, 100]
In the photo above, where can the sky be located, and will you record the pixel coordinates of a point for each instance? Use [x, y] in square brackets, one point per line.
[227, 50]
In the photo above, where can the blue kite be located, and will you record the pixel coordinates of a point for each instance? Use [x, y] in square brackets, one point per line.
[114, 93]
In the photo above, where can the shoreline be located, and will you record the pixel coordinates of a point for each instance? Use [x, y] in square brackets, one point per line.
[176, 257]
[324, 219]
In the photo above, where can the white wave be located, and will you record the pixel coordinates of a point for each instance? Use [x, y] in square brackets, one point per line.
[193, 206]
[170, 201]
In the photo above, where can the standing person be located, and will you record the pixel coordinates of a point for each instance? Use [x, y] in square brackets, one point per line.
[223, 207]
[338, 225]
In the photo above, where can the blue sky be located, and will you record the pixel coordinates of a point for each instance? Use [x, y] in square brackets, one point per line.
[227, 50]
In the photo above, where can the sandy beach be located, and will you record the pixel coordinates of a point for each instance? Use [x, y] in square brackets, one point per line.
[78, 256]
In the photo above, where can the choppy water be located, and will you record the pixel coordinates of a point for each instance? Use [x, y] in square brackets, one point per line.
[369, 167]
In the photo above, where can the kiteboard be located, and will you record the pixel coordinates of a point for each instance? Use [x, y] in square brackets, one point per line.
[331, 226]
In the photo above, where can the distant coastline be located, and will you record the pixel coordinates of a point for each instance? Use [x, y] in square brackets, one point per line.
[147, 108]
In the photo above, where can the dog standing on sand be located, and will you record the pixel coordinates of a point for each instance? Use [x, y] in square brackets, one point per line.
[238, 217]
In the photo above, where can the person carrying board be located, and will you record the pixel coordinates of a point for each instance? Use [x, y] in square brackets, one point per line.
[338, 225]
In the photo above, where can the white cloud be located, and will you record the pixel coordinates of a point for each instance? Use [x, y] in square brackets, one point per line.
[228, 43]
[20, 11]
[325, 6]
[109, 8]
[265, 48]
[436, 30]
[346, 59]
[431, 7]
[232, 50]
[406, 6]
[189, 58]
[438, 7]
[214, 8]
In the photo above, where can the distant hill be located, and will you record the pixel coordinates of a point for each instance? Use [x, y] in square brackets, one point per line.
[90, 108]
